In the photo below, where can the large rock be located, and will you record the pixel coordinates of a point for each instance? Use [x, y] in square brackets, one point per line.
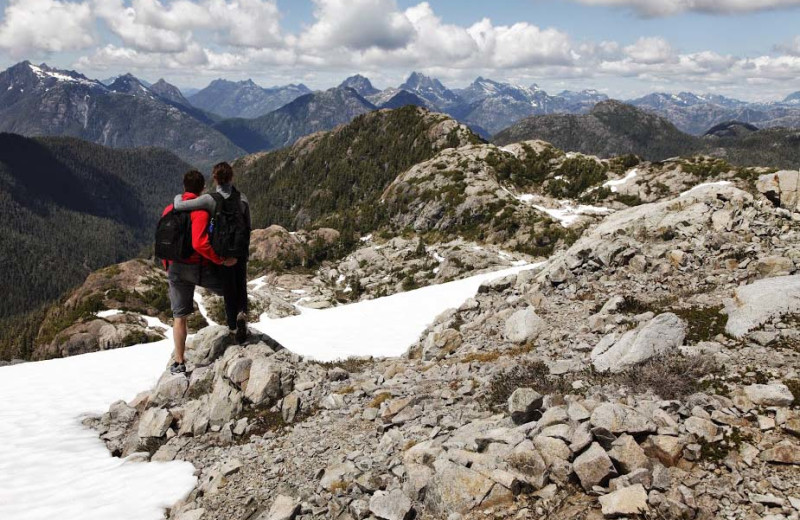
[619, 418]
[630, 500]
[662, 334]
[207, 346]
[593, 466]
[455, 489]
[666, 448]
[170, 389]
[154, 423]
[785, 452]
[781, 188]
[264, 384]
[769, 395]
[523, 404]
[760, 301]
[628, 454]
[524, 325]
[338, 476]
[438, 345]
[391, 505]
[283, 508]
[528, 465]
[225, 403]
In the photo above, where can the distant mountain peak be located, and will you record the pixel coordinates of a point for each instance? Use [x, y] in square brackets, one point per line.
[169, 92]
[430, 89]
[129, 84]
[793, 99]
[360, 84]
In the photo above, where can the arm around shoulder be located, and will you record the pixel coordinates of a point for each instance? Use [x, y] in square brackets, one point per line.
[203, 202]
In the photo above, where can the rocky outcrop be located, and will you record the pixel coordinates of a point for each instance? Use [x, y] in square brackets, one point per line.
[754, 304]
[662, 334]
[781, 188]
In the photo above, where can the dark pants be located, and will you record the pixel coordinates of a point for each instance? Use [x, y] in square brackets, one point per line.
[234, 287]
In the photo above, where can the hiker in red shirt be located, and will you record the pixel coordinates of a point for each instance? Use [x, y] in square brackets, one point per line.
[199, 269]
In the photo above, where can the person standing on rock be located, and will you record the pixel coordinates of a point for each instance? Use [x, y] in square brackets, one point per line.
[229, 230]
[197, 266]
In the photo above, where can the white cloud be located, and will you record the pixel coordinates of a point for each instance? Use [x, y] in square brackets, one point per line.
[357, 25]
[150, 25]
[671, 7]
[650, 51]
[239, 38]
[33, 26]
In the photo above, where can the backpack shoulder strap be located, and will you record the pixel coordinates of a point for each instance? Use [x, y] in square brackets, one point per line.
[218, 199]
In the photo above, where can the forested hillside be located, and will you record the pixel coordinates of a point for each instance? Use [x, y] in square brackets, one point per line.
[345, 170]
[611, 128]
[68, 207]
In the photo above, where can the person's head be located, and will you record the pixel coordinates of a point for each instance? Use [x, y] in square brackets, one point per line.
[194, 182]
[223, 173]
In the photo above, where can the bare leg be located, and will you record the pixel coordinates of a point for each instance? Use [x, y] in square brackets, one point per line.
[179, 333]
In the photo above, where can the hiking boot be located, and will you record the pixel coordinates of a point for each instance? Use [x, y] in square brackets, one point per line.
[178, 368]
[241, 328]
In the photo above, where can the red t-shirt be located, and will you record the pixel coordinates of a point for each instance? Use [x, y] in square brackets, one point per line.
[203, 252]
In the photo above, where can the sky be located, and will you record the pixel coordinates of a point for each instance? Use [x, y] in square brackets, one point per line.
[748, 49]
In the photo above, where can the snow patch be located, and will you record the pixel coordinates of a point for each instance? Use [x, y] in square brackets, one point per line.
[618, 182]
[704, 185]
[567, 214]
[383, 327]
[366, 238]
[258, 283]
[108, 313]
[51, 466]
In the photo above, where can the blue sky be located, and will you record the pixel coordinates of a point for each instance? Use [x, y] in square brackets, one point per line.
[623, 47]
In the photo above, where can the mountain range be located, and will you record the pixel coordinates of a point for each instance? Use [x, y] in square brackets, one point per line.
[614, 128]
[227, 119]
[41, 101]
[244, 98]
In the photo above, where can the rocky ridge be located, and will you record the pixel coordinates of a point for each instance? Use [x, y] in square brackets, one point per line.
[638, 372]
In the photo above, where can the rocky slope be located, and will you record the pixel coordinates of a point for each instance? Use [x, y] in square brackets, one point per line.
[649, 369]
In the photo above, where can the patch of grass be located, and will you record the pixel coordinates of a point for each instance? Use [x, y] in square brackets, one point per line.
[485, 357]
[527, 374]
[671, 376]
[379, 399]
[262, 420]
[703, 323]
[717, 451]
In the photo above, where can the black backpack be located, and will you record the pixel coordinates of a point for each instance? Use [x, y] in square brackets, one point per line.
[229, 231]
[174, 236]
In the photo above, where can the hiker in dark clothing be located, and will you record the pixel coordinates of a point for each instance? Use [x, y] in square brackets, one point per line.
[198, 269]
[234, 278]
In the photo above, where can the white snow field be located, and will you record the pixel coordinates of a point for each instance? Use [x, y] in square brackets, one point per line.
[51, 467]
[384, 327]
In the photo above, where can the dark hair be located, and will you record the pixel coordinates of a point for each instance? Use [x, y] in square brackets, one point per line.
[194, 182]
[223, 173]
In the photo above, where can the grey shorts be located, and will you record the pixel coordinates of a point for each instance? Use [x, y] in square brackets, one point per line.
[182, 280]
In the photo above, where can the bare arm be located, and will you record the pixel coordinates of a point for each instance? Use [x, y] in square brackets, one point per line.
[203, 202]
